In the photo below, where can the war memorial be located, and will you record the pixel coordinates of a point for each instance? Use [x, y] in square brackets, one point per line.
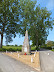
[26, 46]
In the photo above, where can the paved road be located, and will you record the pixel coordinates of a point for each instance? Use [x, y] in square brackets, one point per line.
[8, 64]
[47, 61]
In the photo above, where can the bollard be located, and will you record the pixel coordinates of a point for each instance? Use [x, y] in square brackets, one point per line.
[18, 55]
[11, 52]
[48, 53]
[31, 59]
[34, 54]
[36, 50]
[17, 51]
[6, 51]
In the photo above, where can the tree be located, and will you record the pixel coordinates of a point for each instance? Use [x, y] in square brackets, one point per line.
[37, 21]
[18, 15]
[0, 41]
[20, 45]
[11, 15]
[16, 45]
[27, 10]
[41, 24]
[50, 43]
[9, 19]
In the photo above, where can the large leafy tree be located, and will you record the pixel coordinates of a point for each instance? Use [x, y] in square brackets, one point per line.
[41, 24]
[18, 15]
[9, 19]
[27, 11]
[37, 21]
[50, 43]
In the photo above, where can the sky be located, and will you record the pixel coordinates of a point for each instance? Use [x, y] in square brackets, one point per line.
[43, 3]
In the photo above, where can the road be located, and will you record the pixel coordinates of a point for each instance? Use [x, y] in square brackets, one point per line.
[8, 64]
[47, 61]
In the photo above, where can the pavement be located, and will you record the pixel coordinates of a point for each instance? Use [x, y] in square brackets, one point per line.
[8, 64]
[47, 60]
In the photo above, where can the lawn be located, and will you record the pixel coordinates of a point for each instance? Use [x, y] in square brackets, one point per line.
[14, 48]
[53, 50]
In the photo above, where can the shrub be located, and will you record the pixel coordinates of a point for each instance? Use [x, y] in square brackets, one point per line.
[16, 45]
[33, 48]
[46, 47]
[7, 45]
[20, 45]
[13, 48]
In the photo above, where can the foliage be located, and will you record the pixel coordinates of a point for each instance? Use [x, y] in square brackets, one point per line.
[9, 18]
[16, 45]
[33, 48]
[18, 15]
[37, 21]
[42, 22]
[7, 45]
[13, 48]
[27, 9]
[50, 43]
[52, 50]
[20, 45]
[46, 47]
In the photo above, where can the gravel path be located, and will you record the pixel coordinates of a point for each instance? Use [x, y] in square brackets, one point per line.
[8, 64]
[47, 61]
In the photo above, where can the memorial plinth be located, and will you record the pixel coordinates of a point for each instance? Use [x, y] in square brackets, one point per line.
[26, 46]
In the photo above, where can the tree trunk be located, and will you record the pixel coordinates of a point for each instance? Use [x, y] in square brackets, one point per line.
[2, 36]
[37, 43]
[37, 39]
[1, 40]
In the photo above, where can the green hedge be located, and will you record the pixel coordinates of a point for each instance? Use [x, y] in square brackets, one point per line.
[46, 47]
[10, 49]
[53, 50]
[13, 48]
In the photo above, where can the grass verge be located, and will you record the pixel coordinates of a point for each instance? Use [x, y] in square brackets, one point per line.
[52, 50]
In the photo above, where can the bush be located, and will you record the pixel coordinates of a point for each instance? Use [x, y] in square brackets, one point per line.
[13, 48]
[7, 45]
[20, 45]
[16, 45]
[53, 50]
[1, 49]
[10, 49]
[37, 48]
[46, 47]
[33, 48]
